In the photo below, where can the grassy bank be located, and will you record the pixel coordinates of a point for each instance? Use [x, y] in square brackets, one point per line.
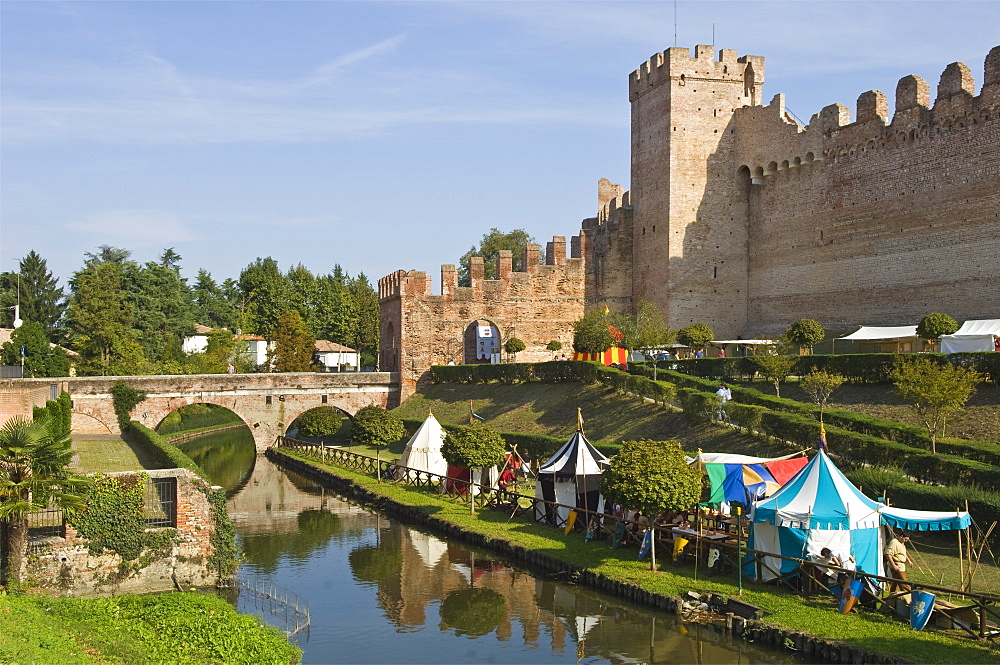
[175, 628]
[816, 615]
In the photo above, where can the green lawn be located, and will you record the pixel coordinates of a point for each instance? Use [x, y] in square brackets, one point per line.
[108, 454]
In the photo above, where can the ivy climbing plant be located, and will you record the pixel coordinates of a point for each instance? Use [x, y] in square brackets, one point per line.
[125, 398]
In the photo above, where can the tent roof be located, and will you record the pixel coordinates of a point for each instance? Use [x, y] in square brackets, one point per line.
[577, 457]
[978, 327]
[733, 458]
[882, 332]
[821, 497]
[423, 450]
[748, 342]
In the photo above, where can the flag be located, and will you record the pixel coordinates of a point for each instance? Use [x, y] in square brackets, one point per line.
[473, 415]
[822, 438]
[647, 542]
[579, 420]
[606, 310]
[570, 523]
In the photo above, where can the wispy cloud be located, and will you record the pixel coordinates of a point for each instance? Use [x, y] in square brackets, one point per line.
[133, 228]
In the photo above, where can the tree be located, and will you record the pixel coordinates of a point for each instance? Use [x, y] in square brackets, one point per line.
[212, 306]
[364, 300]
[474, 446]
[293, 345]
[263, 297]
[591, 333]
[651, 331]
[652, 477]
[819, 385]
[336, 313]
[321, 421]
[125, 398]
[100, 317]
[40, 359]
[936, 391]
[554, 346]
[38, 293]
[489, 248]
[934, 325]
[513, 346]
[34, 474]
[805, 333]
[777, 365]
[374, 426]
[696, 335]
[303, 292]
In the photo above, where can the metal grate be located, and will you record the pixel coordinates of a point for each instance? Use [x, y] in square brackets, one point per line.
[161, 502]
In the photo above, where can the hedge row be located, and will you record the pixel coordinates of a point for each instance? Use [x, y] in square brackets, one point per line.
[59, 412]
[910, 435]
[171, 454]
[855, 367]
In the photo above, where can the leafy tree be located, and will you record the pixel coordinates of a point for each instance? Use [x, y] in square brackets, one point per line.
[554, 346]
[213, 307]
[591, 333]
[365, 302]
[40, 359]
[805, 333]
[489, 248]
[124, 398]
[293, 345]
[934, 325]
[777, 365]
[263, 297]
[336, 312]
[650, 330]
[935, 391]
[321, 421]
[100, 317]
[374, 426]
[303, 292]
[513, 346]
[696, 335]
[819, 385]
[40, 297]
[33, 473]
[475, 446]
[165, 310]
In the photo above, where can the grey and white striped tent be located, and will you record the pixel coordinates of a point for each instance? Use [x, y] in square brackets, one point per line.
[571, 477]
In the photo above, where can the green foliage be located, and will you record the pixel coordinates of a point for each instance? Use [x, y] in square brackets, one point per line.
[36, 291]
[264, 297]
[489, 248]
[196, 416]
[58, 413]
[374, 426]
[40, 360]
[293, 345]
[553, 346]
[114, 517]
[125, 398]
[805, 332]
[473, 612]
[226, 554]
[474, 446]
[696, 335]
[776, 367]
[213, 306]
[934, 325]
[171, 454]
[591, 333]
[937, 392]
[652, 477]
[101, 316]
[377, 565]
[513, 346]
[321, 421]
[819, 385]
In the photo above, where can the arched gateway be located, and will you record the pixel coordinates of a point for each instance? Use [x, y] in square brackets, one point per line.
[267, 403]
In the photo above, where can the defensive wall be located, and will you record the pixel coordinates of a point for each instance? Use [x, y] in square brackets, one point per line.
[536, 305]
[267, 403]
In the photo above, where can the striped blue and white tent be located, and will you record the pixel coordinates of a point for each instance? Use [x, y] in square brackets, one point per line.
[571, 477]
[819, 507]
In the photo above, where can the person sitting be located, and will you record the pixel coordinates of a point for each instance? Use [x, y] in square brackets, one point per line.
[826, 576]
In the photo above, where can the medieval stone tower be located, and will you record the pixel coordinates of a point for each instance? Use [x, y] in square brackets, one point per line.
[690, 229]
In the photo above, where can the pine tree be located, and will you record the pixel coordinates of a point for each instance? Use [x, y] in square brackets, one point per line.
[40, 297]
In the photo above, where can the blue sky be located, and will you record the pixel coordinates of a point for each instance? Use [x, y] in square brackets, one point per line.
[380, 135]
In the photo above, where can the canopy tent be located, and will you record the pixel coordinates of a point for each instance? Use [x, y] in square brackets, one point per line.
[820, 508]
[423, 450]
[879, 333]
[976, 335]
[613, 355]
[743, 478]
[571, 477]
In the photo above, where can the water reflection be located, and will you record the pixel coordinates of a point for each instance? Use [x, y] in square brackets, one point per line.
[382, 592]
[228, 456]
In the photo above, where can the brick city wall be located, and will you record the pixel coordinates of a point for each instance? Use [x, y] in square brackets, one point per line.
[538, 305]
[66, 565]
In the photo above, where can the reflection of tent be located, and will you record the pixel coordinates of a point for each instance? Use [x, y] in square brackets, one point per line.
[430, 549]
[972, 336]
[423, 450]
[820, 508]
[613, 355]
[739, 477]
[572, 477]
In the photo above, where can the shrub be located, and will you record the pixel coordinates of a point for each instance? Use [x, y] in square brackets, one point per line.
[321, 421]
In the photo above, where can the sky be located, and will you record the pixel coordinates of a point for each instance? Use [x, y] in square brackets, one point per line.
[380, 135]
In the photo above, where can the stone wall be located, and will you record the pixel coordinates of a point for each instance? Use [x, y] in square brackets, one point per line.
[67, 566]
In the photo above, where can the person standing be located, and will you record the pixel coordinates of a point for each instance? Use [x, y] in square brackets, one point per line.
[724, 394]
[898, 559]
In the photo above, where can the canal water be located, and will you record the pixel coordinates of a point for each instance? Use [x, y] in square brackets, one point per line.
[383, 592]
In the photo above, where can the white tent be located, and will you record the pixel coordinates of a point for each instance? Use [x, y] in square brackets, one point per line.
[571, 477]
[976, 335]
[867, 333]
[423, 450]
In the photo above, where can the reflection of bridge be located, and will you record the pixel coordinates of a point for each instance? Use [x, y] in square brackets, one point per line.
[267, 403]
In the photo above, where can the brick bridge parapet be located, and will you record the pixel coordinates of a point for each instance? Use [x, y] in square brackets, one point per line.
[267, 403]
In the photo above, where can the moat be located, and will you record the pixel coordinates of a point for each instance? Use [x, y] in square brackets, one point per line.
[383, 592]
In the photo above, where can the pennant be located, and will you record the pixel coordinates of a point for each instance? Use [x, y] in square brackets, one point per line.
[647, 543]
[822, 438]
[579, 420]
[474, 415]
[569, 523]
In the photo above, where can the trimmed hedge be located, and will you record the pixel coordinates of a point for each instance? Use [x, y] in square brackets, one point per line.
[171, 454]
[59, 411]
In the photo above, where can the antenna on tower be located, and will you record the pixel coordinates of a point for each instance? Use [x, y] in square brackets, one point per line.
[675, 22]
[713, 34]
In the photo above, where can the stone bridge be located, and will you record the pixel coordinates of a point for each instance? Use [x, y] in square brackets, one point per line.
[267, 403]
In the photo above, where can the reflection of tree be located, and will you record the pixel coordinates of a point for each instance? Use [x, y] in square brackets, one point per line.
[228, 457]
[376, 564]
[474, 612]
[315, 529]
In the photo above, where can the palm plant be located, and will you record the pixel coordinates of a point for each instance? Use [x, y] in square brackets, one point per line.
[34, 476]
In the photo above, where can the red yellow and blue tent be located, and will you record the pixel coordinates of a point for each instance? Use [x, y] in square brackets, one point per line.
[743, 478]
[613, 355]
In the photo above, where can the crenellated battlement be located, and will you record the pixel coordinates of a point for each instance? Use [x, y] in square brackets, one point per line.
[677, 64]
